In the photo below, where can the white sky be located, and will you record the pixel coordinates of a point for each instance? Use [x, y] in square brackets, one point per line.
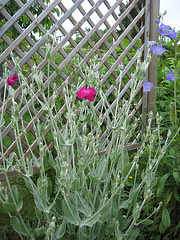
[172, 18]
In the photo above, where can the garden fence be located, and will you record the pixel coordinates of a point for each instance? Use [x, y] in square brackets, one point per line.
[71, 20]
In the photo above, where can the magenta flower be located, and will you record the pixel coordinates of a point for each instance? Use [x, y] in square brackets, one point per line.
[172, 34]
[14, 78]
[86, 93]
[147, 86]
[120, 62]
[170, 76]
[158, 49]
[163, 29]
[10, 81]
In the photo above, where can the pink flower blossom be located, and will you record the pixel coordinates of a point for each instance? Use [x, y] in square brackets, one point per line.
[11, 81]
[14, 78]
[86, 93]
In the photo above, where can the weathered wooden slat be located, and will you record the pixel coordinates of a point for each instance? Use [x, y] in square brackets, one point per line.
[14, 173]
[101, 35]
[43, 39]
[91, 23]
[78, 47]
[121, 56]
[122, 27]
[30, 40]
[118, 79]
[91, 44]
[99, 43]
[147, 33]
[129, 16]
[28, 30]
[17, 50]
[13, 19]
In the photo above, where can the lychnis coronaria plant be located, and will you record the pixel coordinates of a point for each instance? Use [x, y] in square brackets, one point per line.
[96, 190]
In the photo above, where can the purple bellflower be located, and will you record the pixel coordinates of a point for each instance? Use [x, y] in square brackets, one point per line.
[163, 29]
[157, 21]
[170, 76]
[147, 86]
[158, 49]
[151, 44]
[172, 34]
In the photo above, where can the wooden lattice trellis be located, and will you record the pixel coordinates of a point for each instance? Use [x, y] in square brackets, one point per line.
[71, 11]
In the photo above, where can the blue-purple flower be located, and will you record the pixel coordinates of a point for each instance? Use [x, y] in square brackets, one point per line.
[163, 29]
[147, 86]
[157, 21]
[172, 34]
[151, 44]
[170, 76]
[158, 49]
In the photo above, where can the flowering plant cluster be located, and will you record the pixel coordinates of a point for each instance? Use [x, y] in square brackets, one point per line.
[166, 51]
[96, 191]
[158, 51]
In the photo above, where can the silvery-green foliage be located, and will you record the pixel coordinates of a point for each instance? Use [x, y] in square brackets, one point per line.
[97, 191]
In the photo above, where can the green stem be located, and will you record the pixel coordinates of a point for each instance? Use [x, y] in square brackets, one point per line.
[48, 77]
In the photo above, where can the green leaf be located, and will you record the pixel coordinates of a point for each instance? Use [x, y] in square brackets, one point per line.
[127, 167]
[134, 233]
[125, 204]
[154, 182]
[38, 213]
[60, 138]
[147, 222]
[49, 188]
[61, 229]
[161, 184]
[94, 178]
[70, 212]
[83, 206]
[168, 197]
[51, 161]
[176, 176]
[100, 168]
[118, 233]
[48, 56]
[44, 106]
[40, 201]
[9, 207]
[166, 217]
[90, 221]
[2, 169]
[17, 197]
[30, 169]
[40, 232]
[75, 184]
[87, 118]
[18, 226]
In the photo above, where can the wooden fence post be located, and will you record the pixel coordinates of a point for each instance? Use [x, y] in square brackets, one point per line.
[152, 76]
